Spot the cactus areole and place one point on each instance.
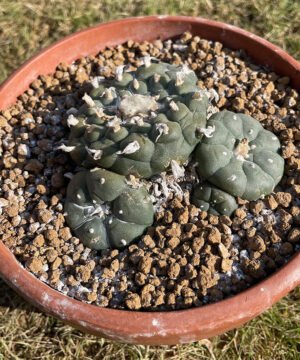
(139, 121)
(239, 156)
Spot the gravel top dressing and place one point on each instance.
(188, 257)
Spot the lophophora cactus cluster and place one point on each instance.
(136, 125)
(139, 121)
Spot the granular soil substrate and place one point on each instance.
(188, 257)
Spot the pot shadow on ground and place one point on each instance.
(9, 299)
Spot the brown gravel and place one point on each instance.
(187, 258)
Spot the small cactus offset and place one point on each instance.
(104, 211)
(139, 121)
(239, 156)
(215, 201)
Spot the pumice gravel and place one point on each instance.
(188, 256)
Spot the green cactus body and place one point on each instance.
(104, 211)
(239, 156)
(211, 199)
(139, 121)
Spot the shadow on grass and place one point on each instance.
(9, 299)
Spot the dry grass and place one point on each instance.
(26, 333)
(27, 26)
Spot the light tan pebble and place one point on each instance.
(65, 233)
(35, 265)
(108, 273)
(83, 273)
(283, 198)
(173, 271)
(39, 241)
(190, 271)
(173, 242)
(171, 299)
(51, 255)
(133, 301)
(158, 299)
(145, 264)
(54, 200)
(44, 216)
(55, 277)
(12, 211)
(41, 189)
(55, 242)
(256, 207)
(23, 150)
(51, 234)
(285, 216)
(3, 122)
(175, 230)
(226, 265)
(213, 219)
(148, 241)
(225, 220)
(67, 260)
(91, 296)
(270, 87)
(271, 202)
(3, 202)
(90, 265)
(257, 243)
(198, 243)
(223, 252)
(56, 263)
(183, 216)
(241, 213)
(214, 236)
(288, 150)
(71, 281)
(168, 217)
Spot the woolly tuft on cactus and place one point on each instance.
(239, 156)
(139, 121)
(104, 211)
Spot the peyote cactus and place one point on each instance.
(105, 211)
(139, 121)
(239, 156)
(211, 199)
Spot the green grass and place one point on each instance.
(25, 333)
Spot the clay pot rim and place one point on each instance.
(168, 327)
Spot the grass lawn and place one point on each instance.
(27, 26)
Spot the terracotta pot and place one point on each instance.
(154, 328)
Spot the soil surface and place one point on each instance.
(188, 257)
